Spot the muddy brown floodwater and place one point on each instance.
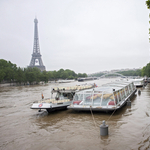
(22, 128)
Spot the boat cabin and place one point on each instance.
(107, 97)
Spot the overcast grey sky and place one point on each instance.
(86, 36)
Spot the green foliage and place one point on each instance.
(96, 74)
(64, 74)
(143, 71)
(148, 4)
(10, 72)
(44, 76)
(146, 70)
(19, 75)
(131, 72)
(2, 75)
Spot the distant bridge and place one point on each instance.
(113, 73)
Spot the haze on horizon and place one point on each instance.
(85, 36)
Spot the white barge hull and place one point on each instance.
(108, 97)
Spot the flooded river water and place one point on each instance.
(22, 128)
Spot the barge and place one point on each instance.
(108, 97)
(138, 82)
(61, 98)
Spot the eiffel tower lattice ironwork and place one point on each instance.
(36, 60)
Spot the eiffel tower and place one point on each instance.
(36, 60)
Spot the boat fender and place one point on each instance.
(128, 102)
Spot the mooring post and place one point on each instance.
(139, 92)
(128, 102)
(103, 129)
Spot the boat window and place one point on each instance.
(64, 95)
(123, 94)
(106, 99)
(98, 92)
(97, 99)
(59, 96)
(116, 98)
(70, 95)
(129, 89)
(126, 90)
(133, 86)
(87, 99)
(119, 95)
(78, 97)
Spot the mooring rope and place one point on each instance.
(93, 117)
(145, 128)
(111, 115)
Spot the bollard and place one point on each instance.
(139, 92)
(128, 102)
(103, 129)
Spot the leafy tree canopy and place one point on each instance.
(148, 4)
(10, 72)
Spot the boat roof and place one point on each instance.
(141, 79)
(72, 88)
(109, 87)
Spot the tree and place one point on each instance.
(146, 70)
(143, 71)
(37, 73)
(10, 72)
(55, 74)
(50, 75)
(148, 4)
(19, 75)
(44, 76)
(80, 75)
(8, 69)
(2, 75)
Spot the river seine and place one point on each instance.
(22, 128)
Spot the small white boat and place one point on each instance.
(86, 79)
(108, 97)
(61, 97)
(138, 82)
